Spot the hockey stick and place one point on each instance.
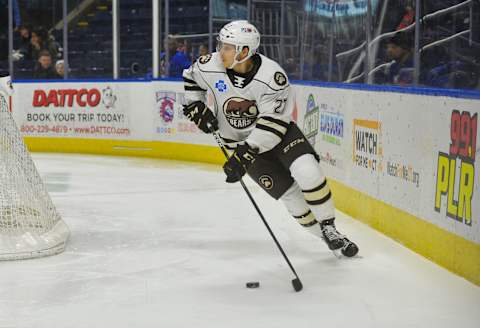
(296, 283)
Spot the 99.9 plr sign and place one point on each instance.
(459, 161)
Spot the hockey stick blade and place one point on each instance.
(297, 285)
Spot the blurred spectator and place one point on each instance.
(60, 68)
(202, 50)
(408, 16)
(36, 45)
(44, 68)
(197, 52)
(454, 74)
(399, 51)
(24, 40)
(39, 41)
(177, 57)
(181, 45)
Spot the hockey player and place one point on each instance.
(253, 108)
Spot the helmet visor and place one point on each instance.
(222, 46)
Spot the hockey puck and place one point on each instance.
(253, 284)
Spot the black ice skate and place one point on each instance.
(335, 240)
(349, 249)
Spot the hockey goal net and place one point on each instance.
(30, 226)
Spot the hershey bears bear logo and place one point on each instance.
(205, 59)
(240, 113)
(280, 79)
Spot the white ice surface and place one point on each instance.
(169, 244)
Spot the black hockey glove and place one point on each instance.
(201, 115)
(237, 165)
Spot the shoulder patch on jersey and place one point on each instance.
(205, 59)
(280, 78)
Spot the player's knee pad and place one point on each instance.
(307, 171)
(309, 176)
(270, 174)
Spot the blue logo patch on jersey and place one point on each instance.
(221, 86)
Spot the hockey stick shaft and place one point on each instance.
(297, 285)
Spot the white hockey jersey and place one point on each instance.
(255, 107)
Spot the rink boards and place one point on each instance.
(405, 163)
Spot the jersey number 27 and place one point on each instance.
(280, 105)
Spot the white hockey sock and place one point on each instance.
(296, 205)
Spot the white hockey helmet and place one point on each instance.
(239, 33)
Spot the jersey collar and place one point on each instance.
(240, 80)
